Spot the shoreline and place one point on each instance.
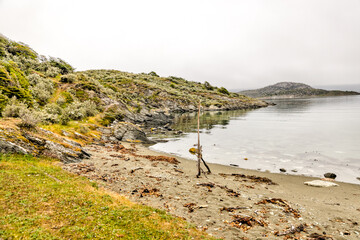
(254, 171)
(227, 203)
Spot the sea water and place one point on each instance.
(309, 136)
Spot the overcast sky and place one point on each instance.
(238, 44)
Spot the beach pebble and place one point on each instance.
(282, 170)
(358, 178)
(320, 183)
(330, 175)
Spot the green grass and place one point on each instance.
(39, 200)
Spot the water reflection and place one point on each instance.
(300, 105)
(311, 136)
(187, 122)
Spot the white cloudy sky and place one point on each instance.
(232, 43)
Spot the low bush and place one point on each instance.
(29, 119)
(223, 90)
(152, 73)
(208, 86)
(42, 88)
(78, 111)
(14, 108)
(68, 78)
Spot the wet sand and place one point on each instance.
(222, 204)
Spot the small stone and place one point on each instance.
(294, 170)
(282, 170)
(358, 178)
(330, 175)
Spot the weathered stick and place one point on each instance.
(198, 145)
(199, 148)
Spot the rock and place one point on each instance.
(66, 155)
(9, 147)
(294, 170)
(330, 175)
(34, 140)
(282, 170)
(320, 183)
(358, 178)
(13, 140)
(129, 132)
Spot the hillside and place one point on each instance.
(293, 90)
(54, 92)
(48, 108)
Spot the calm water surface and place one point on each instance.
(305, 136)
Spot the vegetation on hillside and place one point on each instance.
(51, 91)
(39, 200)
(291, 89)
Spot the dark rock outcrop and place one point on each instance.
(129, 132)
(40, 143)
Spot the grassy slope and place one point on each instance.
(38, 200)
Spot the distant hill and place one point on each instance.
(293, 90)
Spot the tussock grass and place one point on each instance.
(39, 200)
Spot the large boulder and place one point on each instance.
(129, 132)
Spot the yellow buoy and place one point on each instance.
(193, 150)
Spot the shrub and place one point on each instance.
(63, 66)
(52, 71)
(223, 90)
(64, 119)
(14, 108)
(29, 119)
(208, 86)
(68, 78)
(152, 73)
(42, 90)
(79, 110)
(53, 108)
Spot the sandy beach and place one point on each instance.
(229, 203)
